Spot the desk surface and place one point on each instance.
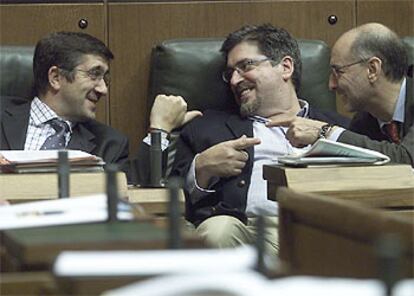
(377, 186)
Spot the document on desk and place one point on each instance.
(154, 262)
(21, 161)
(248, 283)
(326, 152)
(74, 210)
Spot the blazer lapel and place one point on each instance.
(82, 139)
(15, 122)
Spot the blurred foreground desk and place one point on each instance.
(36, 248)
(326, 236)
(390, 186)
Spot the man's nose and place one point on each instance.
(102, 87)
(236, 78)
(333, 82)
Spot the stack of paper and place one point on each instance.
(20, 161)
(324, 152)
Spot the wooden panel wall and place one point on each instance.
(396, 14)
(25, 24)
(132, 28)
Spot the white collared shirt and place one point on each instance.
(273, 144)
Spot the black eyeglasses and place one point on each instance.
(95, 74)
(242, 67)
(337, 71)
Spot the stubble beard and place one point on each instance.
(250, 107)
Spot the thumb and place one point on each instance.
(190, 115)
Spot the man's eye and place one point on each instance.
(246, 65)
(95, 73)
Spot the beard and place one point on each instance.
(250, 107)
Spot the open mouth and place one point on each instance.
(93, 97)
(243, 91)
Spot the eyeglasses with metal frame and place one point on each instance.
(95, 74)
(337, 71)
(242, 67)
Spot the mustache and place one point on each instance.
(243, 86)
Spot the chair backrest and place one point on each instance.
(409, 44)
(192, 68)
(16, 74)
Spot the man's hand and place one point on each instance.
(170, 112)
(223, 160)
(301, 131)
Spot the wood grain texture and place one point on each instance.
(396, 14)
(25, 24)
(134, 28)
(369, 185)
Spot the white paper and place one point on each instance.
(249, 283)
(156, 262)
(72, 210)
(329, 152)
(22, 156)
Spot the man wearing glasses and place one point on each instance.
(371, 74)
(71, 75)
(221, 154)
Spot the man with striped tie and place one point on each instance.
(71, 75)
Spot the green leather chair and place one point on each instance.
(192, 69)
(409, 43)
(16, 74)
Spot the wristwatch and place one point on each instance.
(324, 131)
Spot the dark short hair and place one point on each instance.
(64, 50)
(273, 42)
(388, 47)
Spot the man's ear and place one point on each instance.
(55, 79)
(288, 67)
(374, 69)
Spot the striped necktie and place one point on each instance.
(392, 131)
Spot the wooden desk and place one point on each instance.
(153, 200)
(326, 236)
(29, 187)
(36, 248)
(28, 283)
(390, 186)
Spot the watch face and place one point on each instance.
(325, 130)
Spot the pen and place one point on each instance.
(39, 213)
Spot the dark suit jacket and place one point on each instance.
(90, 136)
(365, 132)
(231, 193)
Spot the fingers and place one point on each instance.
(243, 142)
(190, 115)
(281, 120)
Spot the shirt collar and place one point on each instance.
(303, 112)
(399, 107)
(40, 113)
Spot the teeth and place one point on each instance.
(244, 92)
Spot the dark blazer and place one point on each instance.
(365, 132)
(90, 136)
(231, 193)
